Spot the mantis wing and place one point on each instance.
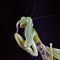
(56, 52)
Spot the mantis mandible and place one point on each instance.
(32, 43)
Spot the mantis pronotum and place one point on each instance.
(32, 43)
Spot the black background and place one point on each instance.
(48, 28)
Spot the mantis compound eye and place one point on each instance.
(22, 25)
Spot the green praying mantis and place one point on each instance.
(32, 43)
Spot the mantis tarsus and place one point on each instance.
(32, 43)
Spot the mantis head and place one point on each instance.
(22, 23)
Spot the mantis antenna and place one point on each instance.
(45, 16)
(34, 8)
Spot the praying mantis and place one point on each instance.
(32, 43)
